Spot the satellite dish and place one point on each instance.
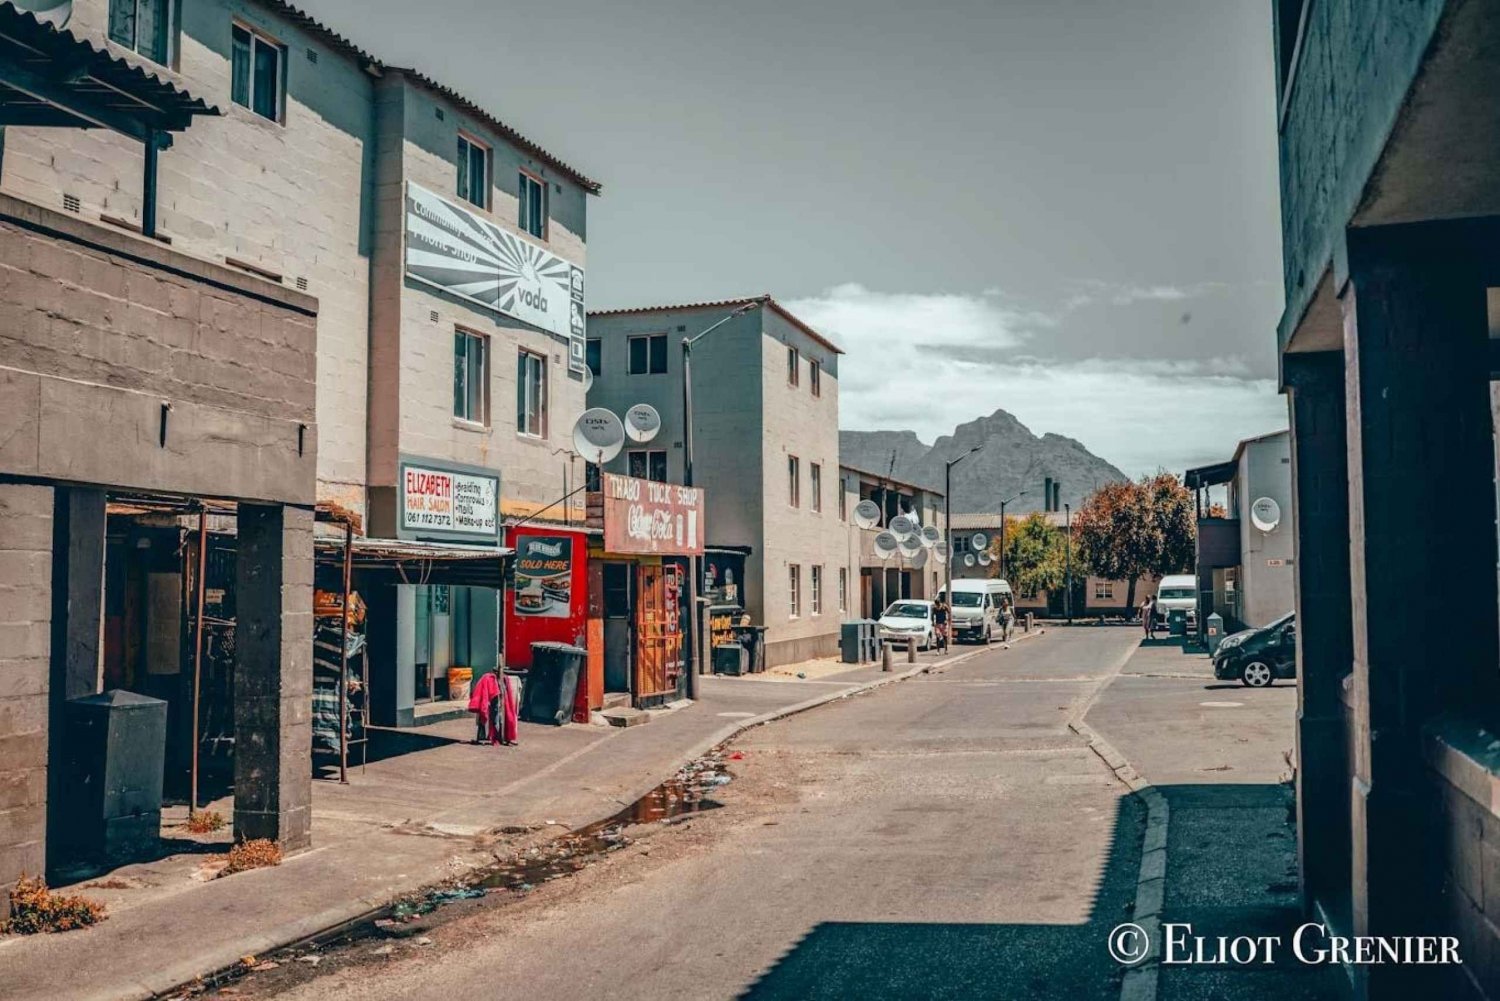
(940, 549)
(598, 435)
(911, 545)
(916, 519)
(642, 422)
(588, 379)
(867, 514)
(902, 526)
(968, 559)
(1265, 514)
(920, 560)
(984, 558)
(979, 541)
(885, 545)
(931, 536)
(53, 12)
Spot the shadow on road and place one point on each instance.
(1231, 870)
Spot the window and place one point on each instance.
(795, 578)
(843, 501)
(817, 590)
(815, 475)
(470, 382)
(593, 355)
(531, 394)
(647, 355)
(1104, 589)
(648, 464)
(533, 198)
(792, 368)
(843, 589)
(591, 478)
(960, 544)
(473, 172)
(148, 27)
(258, 65)
(794, 487)
(815, 377)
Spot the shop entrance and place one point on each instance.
(618, 626)
(434, 641)
(658, 627)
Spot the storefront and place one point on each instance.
(546, 599)
(638, 584)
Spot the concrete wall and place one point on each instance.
(98, 328)
(1266, 592)
(291, 198)
(1358, 60)
(25, 619)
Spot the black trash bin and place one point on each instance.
(552, 683)
(852, 642)
(116, 744)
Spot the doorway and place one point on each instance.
(619, 628)
(434, 641)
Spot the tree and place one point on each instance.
(1125, 531)
(1035, 557)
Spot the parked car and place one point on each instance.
(1257, 657)
(908, 619)
(977, 608)
(1178, 592)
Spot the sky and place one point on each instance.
(1065, 209)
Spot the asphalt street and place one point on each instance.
(947, 837)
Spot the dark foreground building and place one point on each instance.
(1390, 181)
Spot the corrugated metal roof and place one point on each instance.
(770, 301)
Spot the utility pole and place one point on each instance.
(948, 530)
(695, 654)
(1068, 550)
(1002, 532)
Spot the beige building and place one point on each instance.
(882, 581)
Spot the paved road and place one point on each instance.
(947, 837)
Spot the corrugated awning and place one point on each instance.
(395, 561)
(1207, 476)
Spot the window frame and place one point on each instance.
(794, 481)
(815, 485)
(523, 386)
(843, 589)
(815, 589)
(815, 377)
(843, 499)
(593, 355)
(173, 10)
(259, 37)
(1104, 590)
(524, 178)
(483, 340)
(649, 359)
(794, 579)
(649, 453)
(486, 184)
(793, 366)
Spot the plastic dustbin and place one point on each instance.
(116, 746)
(552, 683)
(851, 643)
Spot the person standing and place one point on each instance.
(1148, 616)
(940, 620)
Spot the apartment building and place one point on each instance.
(765, 443)
(882, 581)
(446, 252)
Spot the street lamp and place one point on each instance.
(1002, 530)
(948, 528)
(695, 655)
(1068, 550)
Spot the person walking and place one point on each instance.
(1148, 616)
(940, 620)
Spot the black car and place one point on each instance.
(1257, 657)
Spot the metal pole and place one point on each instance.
(1002, 539)
(948, 528)
(148, 187)
(344, 658)
(1068, 549)
(694, 655)
(198, 650)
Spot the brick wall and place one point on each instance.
(25, 618)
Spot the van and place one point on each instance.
(976, 610)
(1178, 592)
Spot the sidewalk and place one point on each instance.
(428, 806)
(1212, 757)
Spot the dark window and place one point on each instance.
(648, 464)
(148, 27)
(815, 377)
(531, 394)
(591, 479)
(256, 73)
(470, 397)
(473, 172)
(592, 354)
(533, 198)
(815, 472)
(792, 366)
(794, 484)
(1288, 27)
(648, 355)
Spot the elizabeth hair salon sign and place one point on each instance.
(468, 256)
(642, 516)
(449, 504)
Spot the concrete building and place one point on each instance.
(1389, 148)
(1245, 557)
(133, 374)
(882, 581)
(765, 441)
(446, 252)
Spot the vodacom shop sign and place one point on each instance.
(454, 504)
(642, 516)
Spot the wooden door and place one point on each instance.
(658, 635)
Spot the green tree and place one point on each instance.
(1129, 530)
(1035, 558)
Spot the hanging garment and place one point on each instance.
(510, 709)
(482, 698)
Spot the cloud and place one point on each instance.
(1093, 291)
(929, 362)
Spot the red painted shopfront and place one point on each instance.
(546, 600)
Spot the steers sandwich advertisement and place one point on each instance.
(643, 516)
(544, 576)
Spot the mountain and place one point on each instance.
(1012, 460)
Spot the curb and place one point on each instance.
(336, 919)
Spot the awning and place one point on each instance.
(395, 561)
(1208, 476)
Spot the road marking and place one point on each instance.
(1222, 705)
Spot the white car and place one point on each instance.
(908, 619)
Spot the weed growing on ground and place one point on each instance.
(35, 909)
(205, 822)
(257, 853)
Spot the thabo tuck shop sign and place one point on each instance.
(449, 503)
(642, 516)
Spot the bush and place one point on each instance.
(34, 909)
(257, 853)
(205, 822)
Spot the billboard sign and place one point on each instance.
(468, 256)
(441, 503)
(544, 576)
(643, 516)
